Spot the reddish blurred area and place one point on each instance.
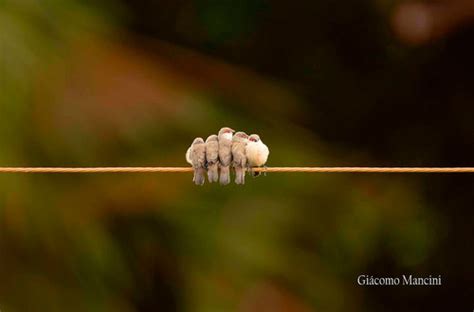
(422, 22)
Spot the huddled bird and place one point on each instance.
(225, 150)
(225, 154)
(257, 152)
(196, 156)
(212, 158)
(239, 159)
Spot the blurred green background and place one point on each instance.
(324, 83)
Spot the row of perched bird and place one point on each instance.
(219, 152)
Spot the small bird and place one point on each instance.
(196, 156)
(239, 161)
(212, 157)
(225, 154)
(257, 153)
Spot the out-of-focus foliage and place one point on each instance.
(34, 34)
(77, 90)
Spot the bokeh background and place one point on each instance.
(325, 83)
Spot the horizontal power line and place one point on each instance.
(269, 169)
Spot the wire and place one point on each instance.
(270, 169)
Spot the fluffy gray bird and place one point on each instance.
(225, 154)
(212, 157)
(196, 155)
(257, 153)
(239, 159)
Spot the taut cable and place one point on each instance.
(270, 169)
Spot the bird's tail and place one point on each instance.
(213, 173)
(225, 175)
(199, 176)
(239, 175)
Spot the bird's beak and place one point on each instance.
(233, 131)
